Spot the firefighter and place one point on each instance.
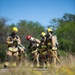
(13, 41)
(51, 43)
(43, 51)
(33, 46)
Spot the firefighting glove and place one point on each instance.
(54, 48)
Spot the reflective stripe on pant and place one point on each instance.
(14, 64)
(6, 64)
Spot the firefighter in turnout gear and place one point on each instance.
(43, 51)
(13, 41)
(51, 43)
(33, 46)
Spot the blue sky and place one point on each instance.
(35, 10)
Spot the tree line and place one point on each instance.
(63, 28)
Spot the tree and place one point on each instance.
(3, 34)
(29, 28)
(65, 32)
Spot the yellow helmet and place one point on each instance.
(49, 30)
(43, 34)
(14, 29)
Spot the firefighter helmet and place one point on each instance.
(28, 37)
(49, 30)
(14, 29)
(43, 34)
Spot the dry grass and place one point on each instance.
(66, 67)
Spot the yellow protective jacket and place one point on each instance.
(13, 42)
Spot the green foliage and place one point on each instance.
(64, 28)
(2, 52)
(66, 33)
(62, 53)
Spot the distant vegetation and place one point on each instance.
(65, 31)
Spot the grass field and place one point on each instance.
(66, 67)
